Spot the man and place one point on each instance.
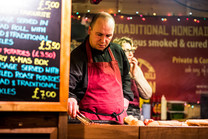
(139, 86)
(99, 74)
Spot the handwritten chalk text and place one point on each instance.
(36, 84)
(31, 68)
(23, 60)
(43, 94)
(9, 66)
(7, 91)
(19, 52)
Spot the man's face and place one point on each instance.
(101, 33)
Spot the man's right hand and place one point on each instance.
(72, 107)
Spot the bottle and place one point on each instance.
(158, 105)
(146, 110)
(163, 108)
(153, 107)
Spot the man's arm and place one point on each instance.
(76, 77)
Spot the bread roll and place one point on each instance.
(131, 120)
(128, 119)
(136, 122)
(197, 122)
(154, 123)
(184, 124)
(140, 123)
(170, 123)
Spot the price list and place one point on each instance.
(30, 50)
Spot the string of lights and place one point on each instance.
(86, 17)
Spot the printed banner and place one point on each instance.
(172, 52)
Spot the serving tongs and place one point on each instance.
(83, 119)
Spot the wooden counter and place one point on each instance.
(190, 132)
(79, 131)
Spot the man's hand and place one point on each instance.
(72, 107)
(126, 104)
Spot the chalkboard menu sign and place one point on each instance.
(32, 48)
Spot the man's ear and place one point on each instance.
(89, 30)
